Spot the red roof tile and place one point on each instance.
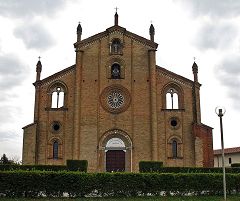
(227, 151)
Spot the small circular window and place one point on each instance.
(174, 123)
(56, 127)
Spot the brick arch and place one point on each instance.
(115, 133)
(50, 147)
(178, 89)
(178, 139)
(117, 41)
(108, 135)
(117, 60)
(52, 88)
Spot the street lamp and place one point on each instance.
(220, 111)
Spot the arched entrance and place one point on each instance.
(115, 155)
(115, 152)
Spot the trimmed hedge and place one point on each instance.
(235, 165)
(77, 165)
(232, 170)
(77, 184)
(150, 166)
(34, 167)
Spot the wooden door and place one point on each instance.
(115, 161)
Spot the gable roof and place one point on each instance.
(174, 76)
(56, 76)
(227, 151)
(112, 29)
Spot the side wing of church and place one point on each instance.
(115, 107)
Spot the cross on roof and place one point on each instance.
(116, 9)
(39, 58)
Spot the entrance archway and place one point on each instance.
(115, 155)
(115, 152)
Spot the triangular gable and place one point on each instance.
(56, 76)
(112, 29)
(171, 75)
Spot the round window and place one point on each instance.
(174, 122)
(56, 126)
(115, 99)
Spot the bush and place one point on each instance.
(77, 165)
(34, 167)
(150, 166)
(235, 165)
(196, 170)
(78, 184)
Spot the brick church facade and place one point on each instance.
(115, 107)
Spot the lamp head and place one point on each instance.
(220, 111)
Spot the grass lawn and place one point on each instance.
(197, 198)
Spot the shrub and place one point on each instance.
(235, 165)
(150, 166)
(78, 184)
(33, 167)
(77, 165)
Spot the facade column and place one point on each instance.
(196, 95)
(37, 85)
(77, 106)
(153, 99)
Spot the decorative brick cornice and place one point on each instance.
(175, 77)
(115, 29)
(55, 76)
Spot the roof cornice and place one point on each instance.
(112, 29)
(180, 78)
(55, 76)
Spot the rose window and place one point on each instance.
(115, 99)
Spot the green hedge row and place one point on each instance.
(77, 165)
(194, 170)
(235, 165)
(72, 165)
(150, 166)
(77, 184)
(34, 167)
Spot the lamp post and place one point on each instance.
(220, 111)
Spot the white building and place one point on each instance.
(232, 155)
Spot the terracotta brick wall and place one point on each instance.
(205, 134)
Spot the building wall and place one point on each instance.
(29, 144)
(229, 159)
(86, 124)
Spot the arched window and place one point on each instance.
(57, 97)
(116, 46)
(174, 149)
(115, 71)
(172, 99)
(55, 150)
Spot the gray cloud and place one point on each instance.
(12, 72)
(7, 113)
(34, 36)
(228, 73)
(29, 8)
(214, 35)
(214, 8)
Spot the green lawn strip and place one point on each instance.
(183, 198)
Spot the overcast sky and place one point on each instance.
(206, 29)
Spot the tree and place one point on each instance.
(4, 160)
